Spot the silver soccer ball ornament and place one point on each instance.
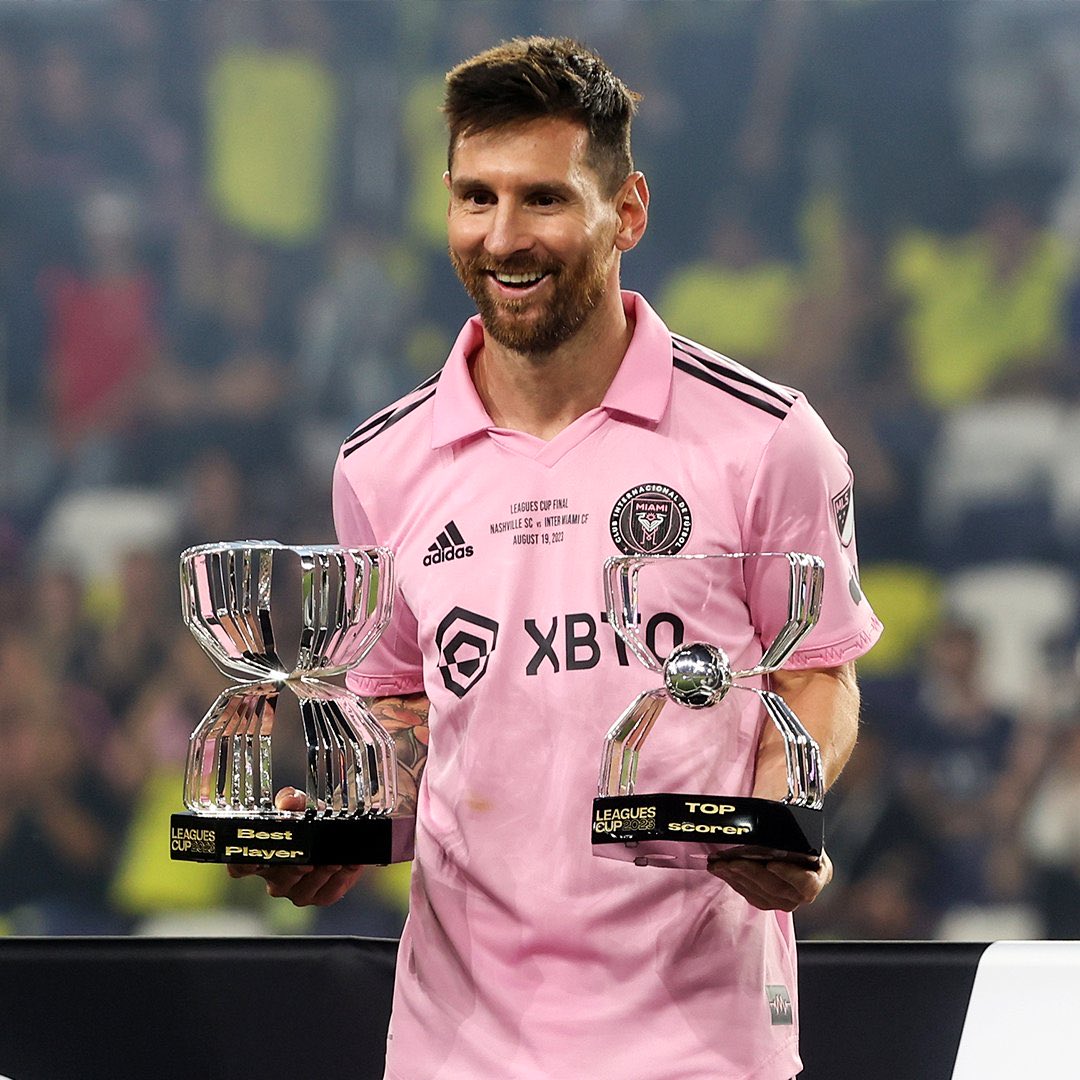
(697, 674)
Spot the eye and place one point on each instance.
(545, 200)
(479, 197)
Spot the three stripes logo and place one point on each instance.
(449, 544)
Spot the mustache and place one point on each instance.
(510, 266)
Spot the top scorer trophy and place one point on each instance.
(688, 829)
(341, 601)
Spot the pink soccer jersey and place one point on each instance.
(524, 956)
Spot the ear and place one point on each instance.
(632, 206)
(446, 179)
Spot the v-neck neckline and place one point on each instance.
(549, 452)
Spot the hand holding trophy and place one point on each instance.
(687, 830)
(349, 792)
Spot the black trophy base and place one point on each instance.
(308, 841)
(687, 831)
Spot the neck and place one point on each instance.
(543, 393)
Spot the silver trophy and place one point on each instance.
(341, 600)
(686, 830)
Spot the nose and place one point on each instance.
(507, 232)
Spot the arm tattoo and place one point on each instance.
(406, 719)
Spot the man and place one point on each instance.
(502, 484)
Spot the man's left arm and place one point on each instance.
(826, 700)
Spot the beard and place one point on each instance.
(531, 326)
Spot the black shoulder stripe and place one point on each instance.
(389, 422)
(380, 418)
(692, 351)
(705, 377)
(375, 421)
(431, 380)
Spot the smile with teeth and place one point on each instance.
(519, 280)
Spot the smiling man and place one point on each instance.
(537, 296)
(536, 229)
(568, 425)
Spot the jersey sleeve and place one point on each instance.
(802, 500)
(395, 663)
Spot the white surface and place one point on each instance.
(93, 529)
(1022, 1019)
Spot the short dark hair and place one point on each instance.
(529, 78)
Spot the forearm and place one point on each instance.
(826, 700)
(406, 718)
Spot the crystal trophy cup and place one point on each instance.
(686, 829)
(339, 601)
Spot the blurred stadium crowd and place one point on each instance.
(221, 247)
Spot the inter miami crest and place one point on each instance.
(650, 519)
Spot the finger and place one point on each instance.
(826, 868)
(291, 798)
(305, 888)
(282, 880)
(802, 880)
(806, 881)
(242, 870)
(281, 875)
(337, 886)
(767, 885)
(817, 873)
(761, 899)
(768, 889)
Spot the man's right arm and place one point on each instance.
(405, 718)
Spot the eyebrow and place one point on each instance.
(538, 187)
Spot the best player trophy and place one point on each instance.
(687, 829)
(348, 763)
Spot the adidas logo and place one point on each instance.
(449, 544)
